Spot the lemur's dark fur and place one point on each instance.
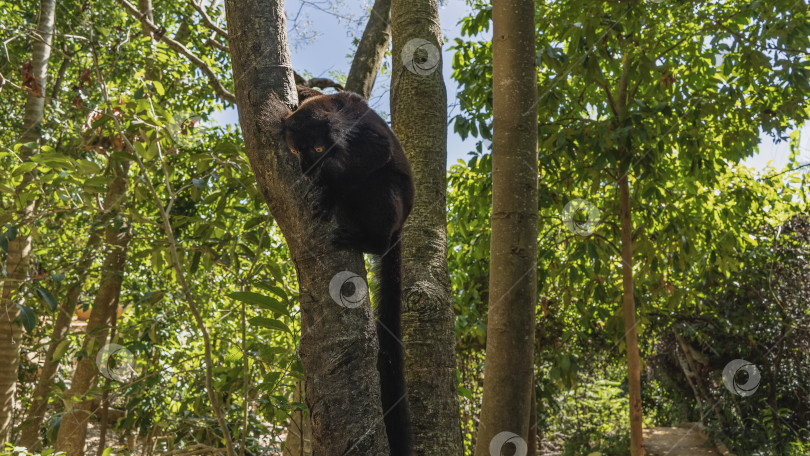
(349, 150)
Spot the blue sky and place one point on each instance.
(322, 42)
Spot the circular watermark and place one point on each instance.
(115, 362)
(348, 289)
(732, 373)
(420, 56)
(187, 129)
(581, 217)
(497, 443)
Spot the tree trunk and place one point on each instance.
(508, 373)
(628, 301)
(338, 344)
(419, 118)
(299, 431)
(39, 401)
(19, 249)
(73, 430)
(371, 50)
(629, 307)
(11, 330)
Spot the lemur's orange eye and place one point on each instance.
(295, 151)
(319, 149)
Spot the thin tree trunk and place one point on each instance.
(299, 432)
(11, 330)
(419, 118)
(371, 50)
(19, 249)
(508, 373)
(104, 404)
(73, 429)
(628, 301)
(629, 307)
(39, 401)
(338, 344)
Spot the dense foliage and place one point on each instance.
(703, 80)
(720, 249)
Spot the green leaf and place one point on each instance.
(87, 167)
(275, 269)
(29, 320)
(60, 350)
(151, 151)
(265, 302)
(268, 286)
(269, 323)
(54, 160)
(23, 168)
(46, 297)
(253, 222)
(139, 148)
(159, 87)
(101, 182)
(156, 296)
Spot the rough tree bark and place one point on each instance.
(419, 118)
(508, 373)
(39, 401)
(73, 430)
(338, 344)
(19, 249)
(371, 50)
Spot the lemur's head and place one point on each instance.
(316, 132)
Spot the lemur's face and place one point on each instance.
(308, 136)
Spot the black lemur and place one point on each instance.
(349, 150)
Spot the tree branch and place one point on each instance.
(211, 41)
(320, 83)
(676, 44)
(370, 50)
(207, 19)
(609, 97)
(622, 93)
(216, 84)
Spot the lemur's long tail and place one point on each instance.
(390, 362)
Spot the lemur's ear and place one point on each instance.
(273, 113)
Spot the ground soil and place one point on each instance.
(677, 441)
